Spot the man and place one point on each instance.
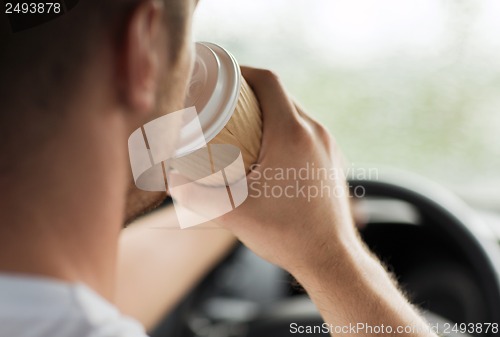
(73, 90)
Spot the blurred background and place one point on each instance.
(412, 84)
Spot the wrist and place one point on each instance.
(354, 281)
(336, 261)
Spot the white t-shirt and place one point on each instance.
(42, 307)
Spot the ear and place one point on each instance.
(143, 52)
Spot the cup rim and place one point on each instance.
(223, 77)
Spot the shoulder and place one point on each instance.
(100, 318)
(41, 307)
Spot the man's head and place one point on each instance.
(85, 80)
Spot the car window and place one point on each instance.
(411, 84)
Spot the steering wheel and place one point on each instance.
(445, 259)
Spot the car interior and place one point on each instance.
(444, 255)
(407, 88)
(396, 93)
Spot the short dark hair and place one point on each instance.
(40, 67)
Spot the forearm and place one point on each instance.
(158, 265)
(351, 288)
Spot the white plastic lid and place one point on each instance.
(214, 90)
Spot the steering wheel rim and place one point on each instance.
(454, 217)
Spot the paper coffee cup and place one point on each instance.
(228, 112)
(244, 129)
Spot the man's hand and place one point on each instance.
(296, 229)
(310, 234)
(314, 238)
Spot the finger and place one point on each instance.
(302, 113)
(277, 108)
(282, 124)
(325, 136)
(319, 129)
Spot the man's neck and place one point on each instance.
(61, 214)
